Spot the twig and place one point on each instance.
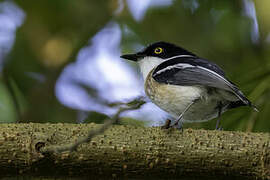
(134, 104)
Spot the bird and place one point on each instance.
(188, 87)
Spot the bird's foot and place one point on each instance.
(219, 128)
(178, 125)
(167, 124)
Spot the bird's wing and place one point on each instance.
(194, 71)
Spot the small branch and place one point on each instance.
(132, 105)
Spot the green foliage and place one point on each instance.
(7, 108)
(55, 31)
(133, 122)
(95, 117)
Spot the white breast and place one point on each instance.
(174, 99)
(147, 64)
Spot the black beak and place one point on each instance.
(132, 57)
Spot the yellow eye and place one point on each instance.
(158, 50)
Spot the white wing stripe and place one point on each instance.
(226, 82)
(213, 72)
(179, 65)
(178, 57)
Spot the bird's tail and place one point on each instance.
(254, 107)
(241, 103)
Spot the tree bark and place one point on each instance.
(133, 152)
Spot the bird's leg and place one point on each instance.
(167, 124)
(179, 120)
(218, 120)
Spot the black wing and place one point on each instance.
(188, 71)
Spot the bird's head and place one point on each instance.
(154, 54)
(162, 50)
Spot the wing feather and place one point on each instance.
(193, 73)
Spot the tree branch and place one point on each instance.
(134, 104)
(133, 152)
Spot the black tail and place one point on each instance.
(240, 103)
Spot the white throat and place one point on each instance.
(147, 64)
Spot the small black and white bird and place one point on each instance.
(188, 87)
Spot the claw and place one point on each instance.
(179, 125)
(167, 124)
(219, 128)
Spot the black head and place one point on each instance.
(161, 49)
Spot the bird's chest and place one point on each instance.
(171, 98)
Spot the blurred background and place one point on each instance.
(59, 60)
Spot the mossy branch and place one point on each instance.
(128, 151)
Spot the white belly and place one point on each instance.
(174, 100)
